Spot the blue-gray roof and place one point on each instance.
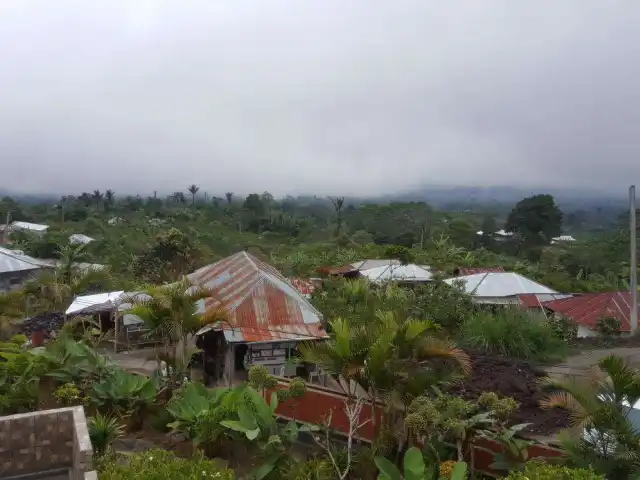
(16, 261)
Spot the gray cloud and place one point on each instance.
(354, 97)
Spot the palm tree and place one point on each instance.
(109, 197)
(85, 198)
(178, 197)
(388, 357)
(193, 189)
(229, 196)
(172, 312)
(69, 255)
(338, 203)
(97, 197)
(599, 405)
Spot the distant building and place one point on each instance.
(586, 309)
(503, 288)
(563, 239)
(30, 227)
(16, 268)
(79, 238)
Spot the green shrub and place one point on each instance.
(514, 333)
(164, 465)
(68, 395)
(545, 471)
(608, 326)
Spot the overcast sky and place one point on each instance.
(321, 96)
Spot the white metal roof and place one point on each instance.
(499, 284)
(504, 233)
(29, 226)
(398, 273)
(564, 238)
(80, 238)
(100, 302)
(16, 261)
(367, 264)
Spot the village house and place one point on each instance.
(268, 318)
(505, 288)
(35, 228)
(584, 310)
(385, 270)
(16, 268)
(80, 239)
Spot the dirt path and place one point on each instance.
(581, 362)
(135, 361)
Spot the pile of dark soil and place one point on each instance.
(517, 379)
(46, 322)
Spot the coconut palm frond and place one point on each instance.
(440, 348)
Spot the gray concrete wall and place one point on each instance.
(45, 440)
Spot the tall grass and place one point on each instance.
(515, 333)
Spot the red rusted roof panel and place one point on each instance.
(587, 308)
(264, 306)
(304, 286)
(472, 271)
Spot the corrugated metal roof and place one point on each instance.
(536, 300)
(302, 285)
(29, 226)
(397, 273)
(16, 261)
(363, 265)
(263, 305)
(472, 271)
(503, 284)
(80, 238)
(586, 309)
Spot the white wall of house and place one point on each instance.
(273, 356)
(584, 332)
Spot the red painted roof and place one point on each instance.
(263, 305)
(587, 308)
(529, 300)
(537, 300)
(472, 271)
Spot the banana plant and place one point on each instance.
(415, 468)
(197, 411)
(257, 422)
(125, 393)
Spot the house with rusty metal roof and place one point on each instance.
(586, 309)
(268, 316)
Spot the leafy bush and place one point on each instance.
(564, 327)
(69, 395)
(19, 382)
(545, 471)
(608, 326)
(514, 333)
(164, 465)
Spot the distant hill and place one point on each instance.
(569, 198)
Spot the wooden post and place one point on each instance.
(115, 327)
(232, 361)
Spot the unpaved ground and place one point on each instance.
(580, 363)
(135, 361)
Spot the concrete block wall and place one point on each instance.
(45, 440)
